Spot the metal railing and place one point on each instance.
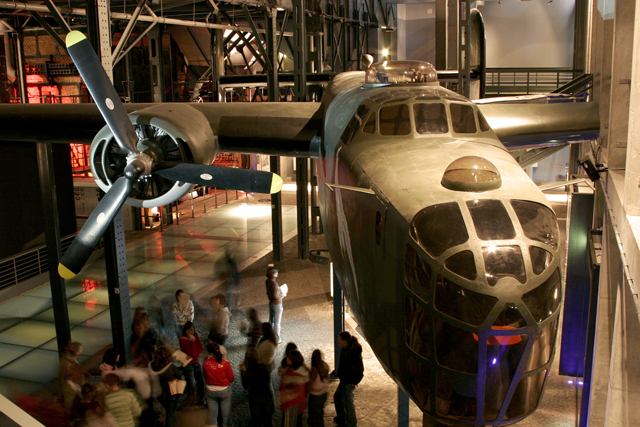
(525, 81)
(28, 264)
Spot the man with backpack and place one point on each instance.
(350, 373)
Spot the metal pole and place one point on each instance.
(338, 315)
(302, 206)
(20, 70)
(52, 236)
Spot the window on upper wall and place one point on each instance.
(394, 120)
(462, 118)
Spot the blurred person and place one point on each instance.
(285, 363)
(293, 390)
(275, 295)
(162, 365)
(110, 362)
(215, 337)
(72, 386)
(157, 315)
(350, 372)
(69, 362)
(267, 347)
(90, 409)
(123, 403)
(219, 376)
(253, 329)
(182, 314)
(143, 339)
(318, 389)
(191, 345)
(257, 381)
(233, 294)
(221, 317)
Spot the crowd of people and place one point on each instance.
(125, 394)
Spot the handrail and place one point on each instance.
(526, 81)
(17, 414)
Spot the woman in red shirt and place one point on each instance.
(218, 376)
(191, 345)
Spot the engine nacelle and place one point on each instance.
(167, 133)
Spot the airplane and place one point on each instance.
(447, 252)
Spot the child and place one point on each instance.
(123, 403)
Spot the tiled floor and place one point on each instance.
(185, 256)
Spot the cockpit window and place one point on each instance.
(354, 124)
(394, 120)
(538, 222)
(462, 304)
(484, 126)
(370, 125)
(540, 259)
(491, 220)
(417, 274)
(430, 118)
(439, 227)
(462, 118)
(463, 264)
(544, 300)
(503, 261)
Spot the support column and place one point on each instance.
(217, 60)
(115, 253)
(274, 96)
(302, 206)
(620, 83)
(403, 408)
(316, 224)
(631, 200)
(338, 314)
(52, 236)
(442, 43)
(464, 66)
(155, 63)
(22, 79)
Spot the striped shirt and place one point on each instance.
(124, 406)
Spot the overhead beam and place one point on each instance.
(57, 15)
(127, 31)
(44, 24)
(534, 156)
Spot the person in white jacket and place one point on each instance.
(221, 317)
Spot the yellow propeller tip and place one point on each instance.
(74, 37)
(276, 183)
(64, 272)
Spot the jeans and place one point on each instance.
(316, 410)
(275, 318)
(222, 398)
(170, 405)
(262, 409)
(191, 371)
(345, 409)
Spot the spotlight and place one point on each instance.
(385, 52)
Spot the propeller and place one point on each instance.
(139, 164)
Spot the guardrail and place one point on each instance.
(525, 81)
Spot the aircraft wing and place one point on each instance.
(273, 128)
(522, 126)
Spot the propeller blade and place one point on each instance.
(102, 91)
(81, 247)
(234, 179)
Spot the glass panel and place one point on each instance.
(455, 349)
(363, 110)
(540, 259)
(503, 356)
(417, 274)
(544, 300)
(471, 173)
(420, 373)
(350, 130)
(463, 264)
(430, 118)
(511, 317)
(394, 120)
(462, 118)
(456, 397)
(491, 220)
(462, 304)
(417, 328)
(503, 261)
(542, 347)
(370, 126)
(538, 222)
(439, 227)
(526, 397)
(400, 72)
(484, 126)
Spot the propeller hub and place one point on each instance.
(138, 164)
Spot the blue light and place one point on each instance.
(570, 382)
(580, 383)
(495, 361)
